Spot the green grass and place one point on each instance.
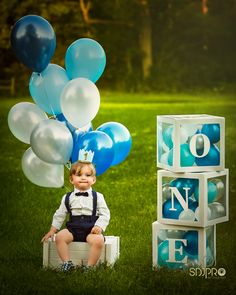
(130, 191)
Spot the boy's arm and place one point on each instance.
(58, 219)
(103, 213)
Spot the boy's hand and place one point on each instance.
(96, 230)
(47, 236)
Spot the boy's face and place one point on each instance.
(84, 179)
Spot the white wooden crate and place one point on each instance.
(79, 252)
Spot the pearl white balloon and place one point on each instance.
(187, 215)
(164, 158)
(208, 213)
(220, 186)
(22, 119)
(40, 172)
(166, 192)
(80, 101)
(52, 142)
(162, 234)
(183, 135)
(191, 129)
(175, 234)
(217, 210)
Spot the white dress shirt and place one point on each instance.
(81, 205)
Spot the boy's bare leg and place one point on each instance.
(63, 238)
(96, 242)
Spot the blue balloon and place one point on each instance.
(163, 255)
(33, 41)
(77, 134)
(186, 157)
(101, 144)
(171, 214)
(192, 242)
(85, 58)
(167, 136)
(46, 88)
(61, 118)
(211, 192)
(212, 131)
(121, 139)
(211, 159)
(181, 183)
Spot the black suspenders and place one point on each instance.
(67, 203)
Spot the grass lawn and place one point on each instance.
(130, 192)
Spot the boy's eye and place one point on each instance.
(88, 175)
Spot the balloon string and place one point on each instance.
(45, 92)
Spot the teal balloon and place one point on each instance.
(186, 157)
(211, 159)
(46, 88)
(167, 136)
(212, 131)
(211, 192)
(163, 255)
(85, 58)
(121, 139)
(170, 158)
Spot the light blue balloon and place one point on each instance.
(167, 136)
(85, 58)
(46, 88)
(186, 157)
(102, 146)
(211, 192)
(121, 139)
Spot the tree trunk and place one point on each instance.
(145, 38)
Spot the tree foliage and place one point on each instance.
(150, 44)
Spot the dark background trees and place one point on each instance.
(163, 45)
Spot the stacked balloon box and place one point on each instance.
(79, 252)
(192, 191)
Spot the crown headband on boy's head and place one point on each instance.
(85, 156)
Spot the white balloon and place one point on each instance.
(52, 142)
(80, 101)
(217, 210)
(187, 215)
(164, 158)
(208, 213)
(22, 119)
(183, 135)
(40, 172)
(175, 234)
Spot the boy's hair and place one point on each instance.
(77, 167)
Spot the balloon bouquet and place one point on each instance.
(70, 98)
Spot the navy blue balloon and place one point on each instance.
(101, 144)
(33, 41)
(193, 205)
(212, 131)
(211, 159)
(167, 205)
(192, 242)
(121, 138)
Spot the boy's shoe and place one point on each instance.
(67, 266)
(86, 268)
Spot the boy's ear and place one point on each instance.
(94, 179)
(71, 180)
